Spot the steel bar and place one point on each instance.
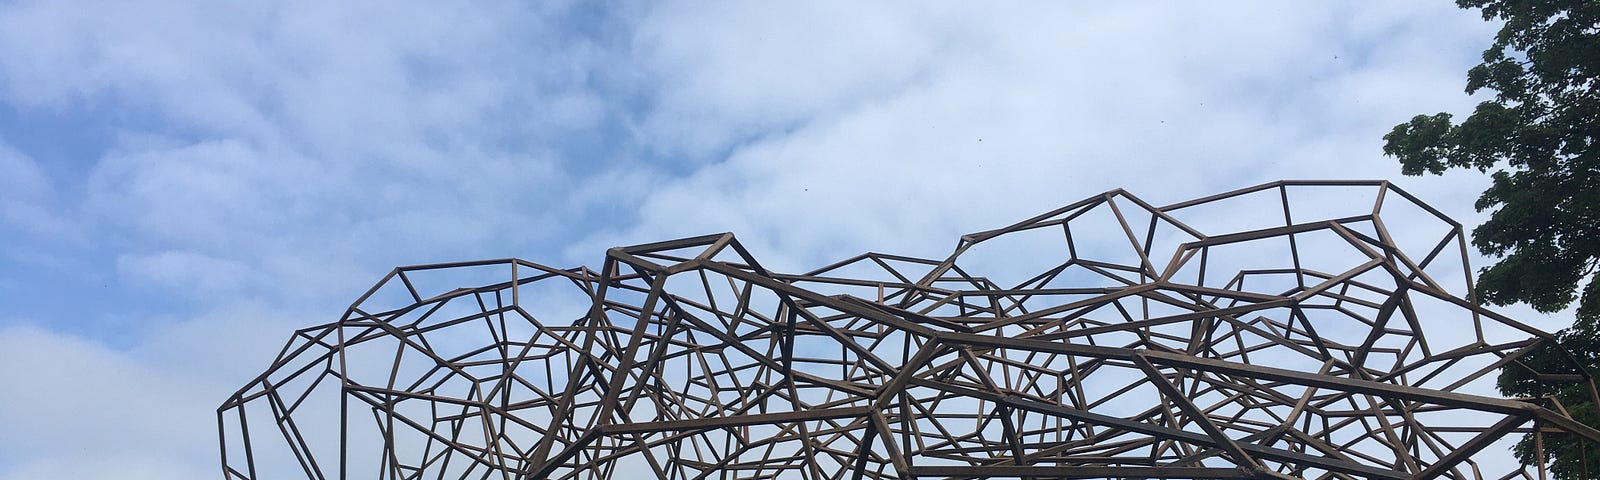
(1246, 334)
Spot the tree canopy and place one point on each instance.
(1538, 135)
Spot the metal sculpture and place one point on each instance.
(1242, 335)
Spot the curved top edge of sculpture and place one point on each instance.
(1293, 329)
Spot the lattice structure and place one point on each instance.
(1294, 329)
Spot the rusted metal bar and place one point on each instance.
(689, 359)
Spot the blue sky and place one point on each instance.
(184, 183)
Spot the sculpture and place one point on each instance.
(1109, 338)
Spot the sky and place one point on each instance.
(183, 184)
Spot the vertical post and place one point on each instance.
(1538, 446)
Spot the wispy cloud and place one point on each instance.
(844, 136)
(265, 162)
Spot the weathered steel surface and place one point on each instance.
(1110, 338)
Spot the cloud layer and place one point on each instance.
(182, 184)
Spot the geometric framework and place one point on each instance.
(1293, 329)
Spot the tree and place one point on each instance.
(1539, 134)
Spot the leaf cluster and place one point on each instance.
(1567, 455)
(1539, 135)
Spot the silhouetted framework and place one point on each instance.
(1293, 329)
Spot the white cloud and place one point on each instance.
(205, 193)
(970, 119)
(25, 197)
(285, 135)
(737, 70)
(291, 152)
(69, 399)
(186, 273)
(74, 408)
(286, 153)
(20, 178)
(121, 465)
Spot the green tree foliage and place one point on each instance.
(1569, 457)
(1539, 136)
